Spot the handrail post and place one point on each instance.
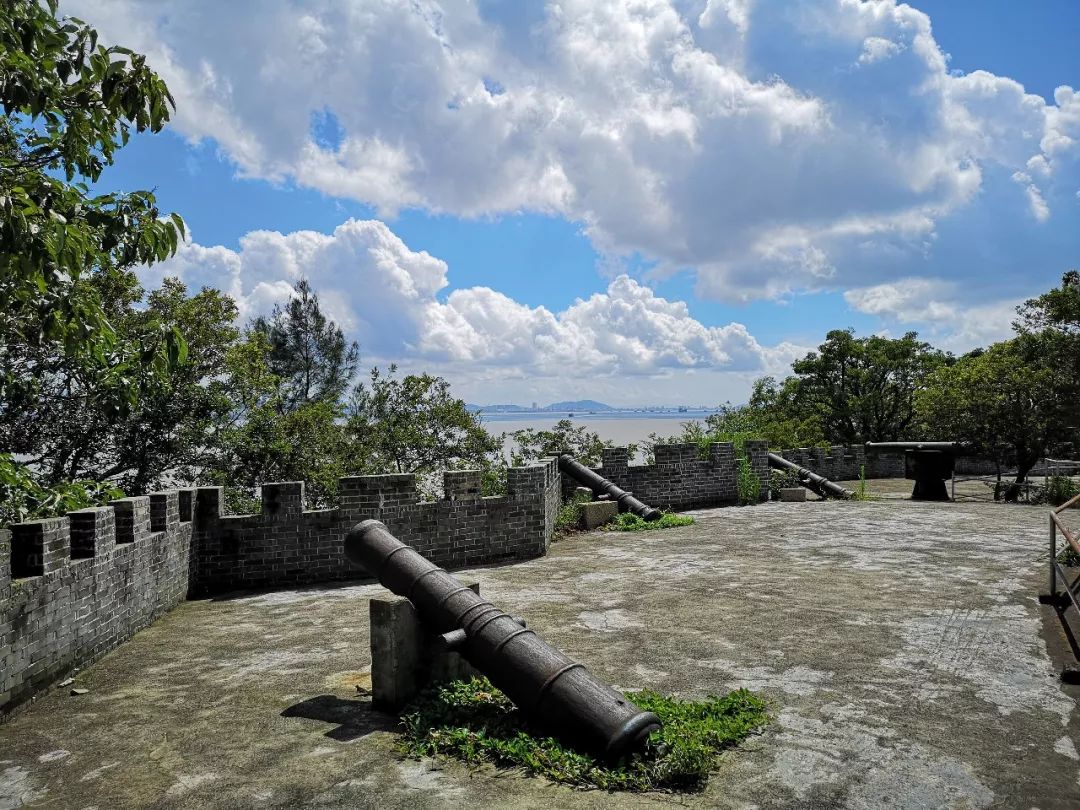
(1053, 556)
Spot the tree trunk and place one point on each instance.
(1024, 463)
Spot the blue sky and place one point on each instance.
(656, 202)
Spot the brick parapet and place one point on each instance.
(845, 462)
(73, 587)
(680, 477)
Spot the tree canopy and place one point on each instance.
(863, 389)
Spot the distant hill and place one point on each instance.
(495, 408)
(575, 405)
(579, 405)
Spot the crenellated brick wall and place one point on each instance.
(679, 478)
(73, 587)
(287, 545)
(843, 462)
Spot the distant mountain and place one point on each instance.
(579, 405)
(495, 408)
(574, 405)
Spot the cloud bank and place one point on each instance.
(388, 297)
(767, 147)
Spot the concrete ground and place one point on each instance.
(900, 645)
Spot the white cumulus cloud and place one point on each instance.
(766, 147)
(387, 296)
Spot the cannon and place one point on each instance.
(601, 486)
(554, 692)
(810, 479)
(928, 464)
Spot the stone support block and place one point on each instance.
(405, 657)
(598, 513)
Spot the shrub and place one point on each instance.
(569, 517)
(1060, 488)
(782, 479)
(629, 522)
(476, 723)
(747, 483)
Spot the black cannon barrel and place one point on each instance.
(895, 447)
(819, 483)
(601, 486)
(552, 690)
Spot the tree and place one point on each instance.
(565, 437)
(413, 424)
(69, 104)
(75, 422)
(863, 389)
(1053, 319)
(1057, 310)
(262, 441)
(308, 353)
(1004, 401)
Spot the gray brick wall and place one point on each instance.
(843, 462)
(285, 545)
(74, 587)
(680, 478)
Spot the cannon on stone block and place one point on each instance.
(928, 464)
(554, 692)
(810, 479)
(602, 486)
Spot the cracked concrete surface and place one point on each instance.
(900, 645)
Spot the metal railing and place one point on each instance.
(1057, 524)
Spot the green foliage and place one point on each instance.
(23, 498)
(69, 103)
(629, 522)
(474, 722)
(413, 424)
(863, 492)
(266, 439)
(1059, 489)
(157, 438)
(1068, 556)
(1006, 401)
(565, 437)
(568, 518)
(307, 353)
(747, 484)
(863, 389)
(782, 479)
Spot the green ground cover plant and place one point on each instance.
(747, 483)
(629, 522)
(474, 722)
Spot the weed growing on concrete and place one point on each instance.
(629, 522)
(475, 722)
(747, 483)
(863, 492)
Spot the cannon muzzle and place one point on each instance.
(554, 692)
(601, 486)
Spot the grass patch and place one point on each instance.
(568, 519)
(629, 522)
(474, 722)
